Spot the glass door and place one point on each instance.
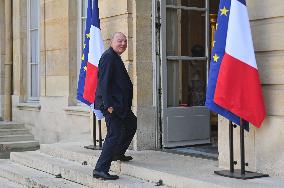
(184, 71)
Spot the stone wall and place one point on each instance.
(20, 49)
(2, 54)
(54, 48)
(55, 118)
(264, 146)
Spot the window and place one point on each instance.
(186, 53)
(82, 12)
(82, 16)
(33, 50)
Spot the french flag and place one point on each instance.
(93, 49)
(234, 85)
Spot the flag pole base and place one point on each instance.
(237, 174)
(92, 147)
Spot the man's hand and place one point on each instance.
(110, 110)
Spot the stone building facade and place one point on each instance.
(40, 51)
(56, 114)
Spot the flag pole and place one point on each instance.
(100, 133)
(94, 130)
(94, 146)
(238, 173)
(231, 146)
(242, 147)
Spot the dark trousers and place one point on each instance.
(120, 132)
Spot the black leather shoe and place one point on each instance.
(104, 175)
(122, 158)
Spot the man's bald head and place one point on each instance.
(116, 34)
(118, 42)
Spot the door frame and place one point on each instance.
(161, 64)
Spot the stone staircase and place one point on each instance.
(14, 137)
(36, 169)
(70, 165)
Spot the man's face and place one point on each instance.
(119, 43)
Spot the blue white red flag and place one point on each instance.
(93, 49)
(234, 89)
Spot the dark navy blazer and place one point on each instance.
(114, 88)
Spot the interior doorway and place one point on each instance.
(187, 28)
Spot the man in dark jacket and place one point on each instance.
(114, 98)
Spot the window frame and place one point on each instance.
(165, 58)
(31, 98)
(80, 39)
(80, 32)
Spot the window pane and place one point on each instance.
(173, 83)
(34, 8)
(83, 30)
(172, 2)
(84, 8)
(186, 82)
(188, 3)
(193, 3)
(34, 49)
(83, 19)
(172, 32)
(185, 33)
(192, 33)
(34, 80)
(214, 7)
(83, 27)
(34, 46)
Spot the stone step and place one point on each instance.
(29, 177)
(4, 183)
(4, 155)
(174, 170)
(14, 138)
(77, 153)
(73, 171)
(11, 125)
(7, 147)
(4, 132)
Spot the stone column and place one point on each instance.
(2, 56)
(145, 137)
(8, 61)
